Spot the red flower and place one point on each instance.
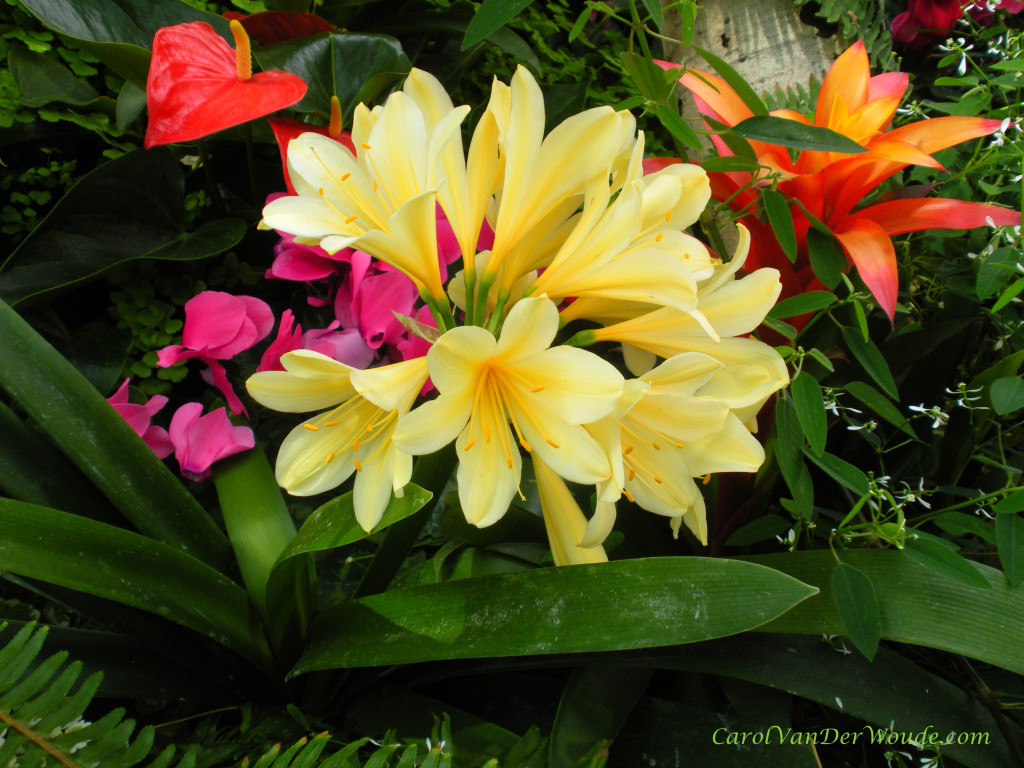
(197, 85)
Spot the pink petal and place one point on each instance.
(380, 296)
(212, 319)
(218, 377)
(289, 337)
(199, 441)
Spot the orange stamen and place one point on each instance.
(243, 51)
(334, 127)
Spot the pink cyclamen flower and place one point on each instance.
(217, 327)
(139, 417)
(199, 440)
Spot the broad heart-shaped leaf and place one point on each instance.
(337, 64)
(42, 80)
(791, 133)
(116, 564)
(119, 32)
(857, 606)
(491, 16)
(916, 604)
(610, 606)
(1007, 394)
(101, 444)
(129, 208)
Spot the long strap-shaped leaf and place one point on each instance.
(99, 559)
(612, 606)
(101, 443)
(917, 605)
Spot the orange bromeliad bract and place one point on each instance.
(831, 185)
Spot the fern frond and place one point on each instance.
(41, 712)
(863, 19)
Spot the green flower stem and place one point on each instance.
(430, 472)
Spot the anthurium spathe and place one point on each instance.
(485, 384)
(198, 85)
(352, 437)
(834, 186)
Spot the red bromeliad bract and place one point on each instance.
(198, 85)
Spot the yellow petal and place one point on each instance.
(563, 520)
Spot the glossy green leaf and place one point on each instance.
(611, 606)
(1010, 538)
(101, 444)
(878, 403)
(728, 164)
(810, 411)
(42, 80)
(735, 81)
(996, 271)
(790, 444)
(871, 361)
(1009, 294)
(1007, 394)
(857, 607)
(916, 604)
(843, 472)
(945, 561)
(337, 64)
(781, 221)
(120, 34)
(654, 11)
(921, 702)
(109, 562)
(677, 126)
(827, 261)
(1012, 503)
(596, 702)
(791, 133)
(961, 524)
(490, 17)
(129, 208)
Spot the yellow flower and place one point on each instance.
(353, 436)
(486, 383)
(564, 520)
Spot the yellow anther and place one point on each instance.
(469, 445)
(668, 216)
(707, 478)
(628, 450)
(508, 461)
(487, 434)
(679, 445)
(359, 467)
(538, 388)
(350, 219)
(632, 473)
(551, 442)
(365, 146)
(330, 423)
(374, 185)
(526, 445)
(659, 237)
(657, 479)
(656, 446)
(330, 457)
(369, 427)
(628, 495)
(312, 427)
(355, 444)
(320, 191)
(344, 176)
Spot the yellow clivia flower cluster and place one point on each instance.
(580, 233)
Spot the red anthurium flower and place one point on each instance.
(268, 27)
(832, 186)
(285, 129)
(197, 85)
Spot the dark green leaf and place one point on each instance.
(784, 329)
(871, 361)
(687, 17)
(42, 80)
(596, 702)
(617, 605)
(791, 133)
(802, 303)
(827, 261)
(1007, 394)
(654, 10)
(96, 439)
(119, 565)
(810, 411)
(99, 352)
(842, 471)
(129, 208)
(131, 103)
(857, 607)
(781, 221)
(728, 164)
(491, 16)
(996, 271)
(877, 402)
(1012, 503)
(654, 84)
(945, 561)
(802, 488)
(960, 524)
(1008, 295)
(762, 529)
(790, 445)
(677, 126)
(917, 605)
(337, 64)
(1010, 537)
(735, 81)
(580, 23)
